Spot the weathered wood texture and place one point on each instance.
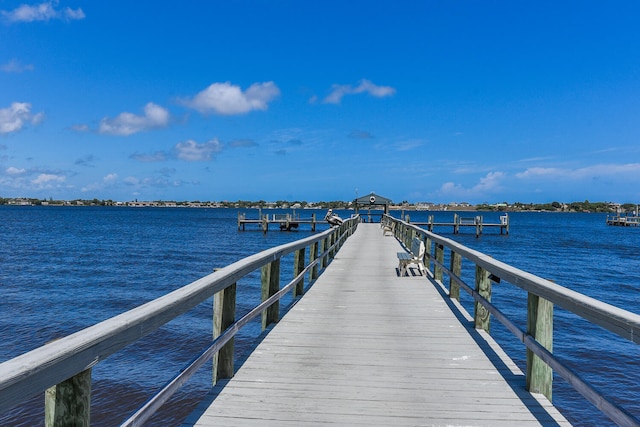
(540, 326)
(270, 277)
(69, 403)
(224, 314)
(366, 347)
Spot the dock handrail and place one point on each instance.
(542, 295)
(70, 357)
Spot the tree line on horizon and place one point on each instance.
(555, 206)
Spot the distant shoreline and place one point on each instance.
(585, 207)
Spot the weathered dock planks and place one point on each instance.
(367, 347)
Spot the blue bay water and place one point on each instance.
(66, 268)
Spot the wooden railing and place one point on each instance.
(63, 368)
(542, 296)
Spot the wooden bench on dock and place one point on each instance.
(416, 256)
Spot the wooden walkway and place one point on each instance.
(366, 347)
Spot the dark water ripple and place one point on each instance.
(63, 269)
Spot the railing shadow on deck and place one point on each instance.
(63, 368)
(516, 381)
(542, 296)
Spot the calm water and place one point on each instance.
(63, 269)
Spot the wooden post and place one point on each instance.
(224, 314)
(456, 223)
(483, 287)
(332, 244)
(270, 277)
(407, 236)
(69, 403)
(298, 266)
(456, 267)
(323, 248)
(437, 269)
(540, 327)
(427, 253)
(265, 224)
(430, 228)
(313, 254)
(478, 225)
(313, 222)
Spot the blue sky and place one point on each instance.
(424, 101)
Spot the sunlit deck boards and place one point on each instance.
(366, 347)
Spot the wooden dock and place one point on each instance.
(460, 221)
(367, 347)
(286, 222)
(624, 220)
(363, 346)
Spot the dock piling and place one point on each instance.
(224, 313)
(539, 378)
(69, 402)
(458, 222)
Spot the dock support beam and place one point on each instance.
(298, 266)
(540, 327)
(224, 314)
(456, 267)
(69, 403)
(323, 249)
(313, 255)
(483, 287)
(437, 269)
(270, 277)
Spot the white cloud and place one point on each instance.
(228, 99)
(42, 12)
(74, 14)
(601, 170)
(48, 180)
(15, 66)
(365, 86)
(14, 171)
(14, 117)
(110, 178)
(191, 151)
(489, 184)
(107, 181)
(129, 123)
(542, 172)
